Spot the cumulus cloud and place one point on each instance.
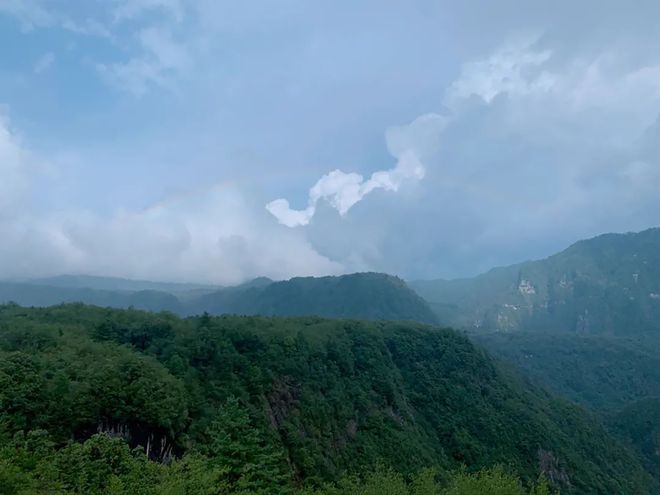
(215, 236)
(218, 234)
(581, 89)
(342, 190)
(532, 154)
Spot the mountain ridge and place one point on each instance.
(600, 285)
(366, 295)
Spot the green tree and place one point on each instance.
(251, 462)
(492, 481)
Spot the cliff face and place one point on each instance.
(609, 284)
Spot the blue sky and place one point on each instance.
(217, 141)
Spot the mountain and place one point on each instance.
(30, 294)
(116, 284)
(282, 401)
(371, 296)
(606, 285)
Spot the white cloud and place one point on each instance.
(30, 13)
(215, 235)
(44, 63)
(132, 9)
(156, 58)
(408, 143)
(538, 91)
(421, 135)
(513, 68)
(161, 61)
(33, 14)
(343, 190)
(535, 151)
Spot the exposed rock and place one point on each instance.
(549, 466)
(525, 287)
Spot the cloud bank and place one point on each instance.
(534, 152)
(218, 234)
(532, 141)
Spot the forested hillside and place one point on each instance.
(639, 424)
(617, 378)
(606, 285)
(372, 296)
(602, 373)
(269, 405)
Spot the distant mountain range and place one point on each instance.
(117, 284)
(606, 285)
(371, 296)
(32, 294)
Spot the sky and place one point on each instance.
(216, 141)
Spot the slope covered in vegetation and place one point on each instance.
(606, 285)
(267, 404)
(372, 296)
(639, 424)
(602, 373)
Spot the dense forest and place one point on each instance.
(114, 401)
(604, 374)
(370, 296)
(616, 378)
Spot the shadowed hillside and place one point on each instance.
(606, 285)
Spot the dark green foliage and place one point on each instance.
(371, 296)
(251, 463)
(83, 387)
(103, 466)
(296, 400)
(639, 424)
(602, 373)
(606, 285)
(494, 481)
(30, 465)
